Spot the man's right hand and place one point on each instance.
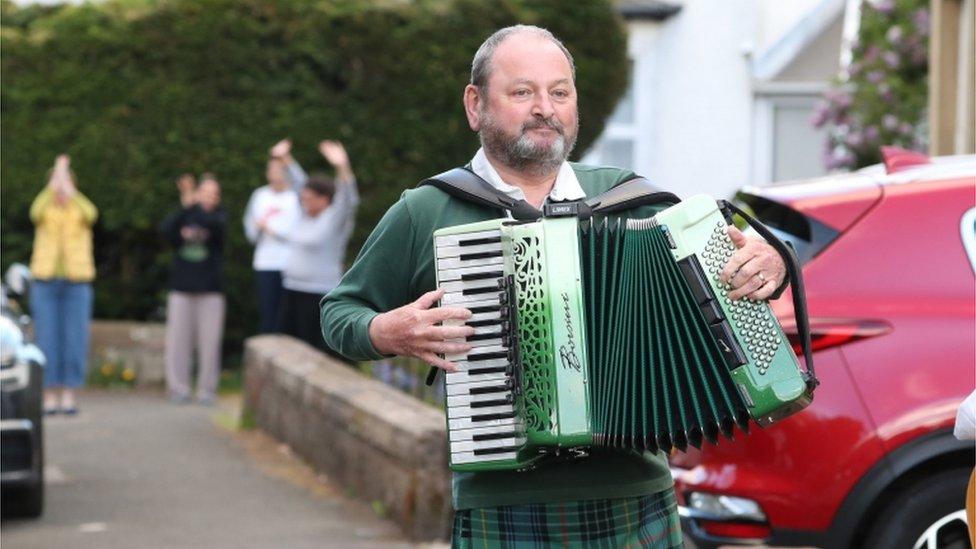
(411, 330)
(186, 186)
(281, 149)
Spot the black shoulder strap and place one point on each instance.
(632, 193)
(795, 276)
(466, 185)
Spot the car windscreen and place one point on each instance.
(808, 236)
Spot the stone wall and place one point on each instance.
(379, 444)
(138, 345)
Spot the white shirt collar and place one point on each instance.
(567, 187)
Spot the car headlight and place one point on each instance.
(11, 339)
(726, 507)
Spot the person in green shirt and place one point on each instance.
(522, 102)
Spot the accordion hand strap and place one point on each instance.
(795, 276)
(466, 185)
(632, 193)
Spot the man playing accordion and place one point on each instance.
(522, 102)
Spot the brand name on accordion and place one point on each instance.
(567, 352)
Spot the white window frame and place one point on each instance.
(640, 51)
(767, 97)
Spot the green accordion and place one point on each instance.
(605, 332)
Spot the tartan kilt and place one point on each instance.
(649, 521)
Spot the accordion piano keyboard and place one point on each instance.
(480, 405)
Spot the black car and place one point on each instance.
(21, 419)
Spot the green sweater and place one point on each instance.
(395, 267)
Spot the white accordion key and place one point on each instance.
(462, 239)
(459, 298)
(461, 285)
(462, 426)
(499, 398)
(478, 344)
(465, 422)
(447, 263)
(475, 356)
(484, 384)
(464, 411)
(471, 457)
(448, 275)
(476, 317)
(458, 378)
(506, 427)
(472, 445)
(472, 252)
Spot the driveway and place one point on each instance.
(134, 470)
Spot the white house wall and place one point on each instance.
(701, 113)
(700, 125)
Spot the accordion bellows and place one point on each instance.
(606, 332)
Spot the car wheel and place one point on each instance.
(25, 501)
(33, 504)
(28, 501)
(930, 514)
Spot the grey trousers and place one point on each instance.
(193, 320)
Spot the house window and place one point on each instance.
(786, 145)
(617, 152)
(624, 113)
(797, 145)
(615, 147)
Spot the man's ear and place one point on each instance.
(473, 105)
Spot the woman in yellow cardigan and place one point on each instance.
(63, 267)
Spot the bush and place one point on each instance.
(139, 91)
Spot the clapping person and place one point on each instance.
(195, 304)
(63, 267)
(273, 206)
(318, 242)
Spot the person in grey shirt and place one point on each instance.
(318, 240)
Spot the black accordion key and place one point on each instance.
(727, 344)
(713, 313)
(695, 276)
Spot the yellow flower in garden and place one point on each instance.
(128, 374)
(107, 370)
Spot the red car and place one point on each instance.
(889, 258)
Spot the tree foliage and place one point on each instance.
(138, 91)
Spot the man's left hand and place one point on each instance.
(334, 153)
(755, 270)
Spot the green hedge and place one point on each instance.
(139, 91)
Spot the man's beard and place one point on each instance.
(521, 152)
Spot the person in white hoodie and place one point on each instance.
(965, 429)
(272, 209)
(318, 240)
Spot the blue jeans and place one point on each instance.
(62, 311)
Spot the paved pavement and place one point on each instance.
(133, 470)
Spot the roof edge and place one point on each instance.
(647, 10)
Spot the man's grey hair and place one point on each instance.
(481, 64)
